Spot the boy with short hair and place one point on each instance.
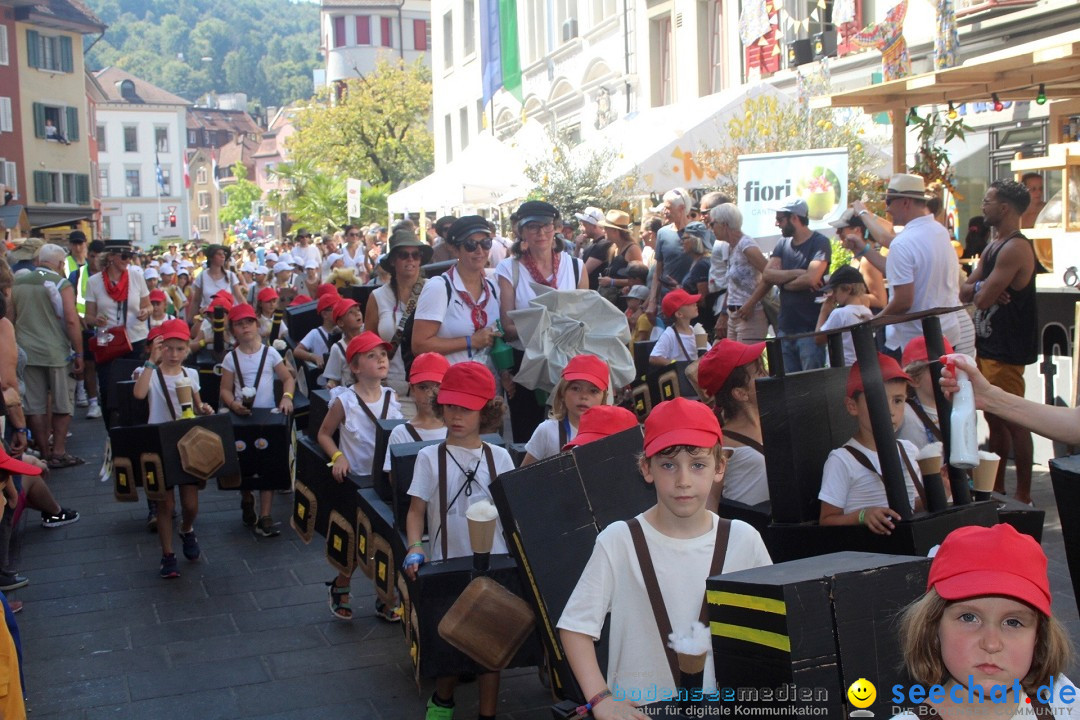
(683, 460)
(852, 490)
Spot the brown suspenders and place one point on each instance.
(745, 440)
(865, 462)
(443, 507)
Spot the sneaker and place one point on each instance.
(169, 567)
(15, 605)
(95, 410)
(64, 517)
(389, 614)
(438, 712)
(191, 545)
(80, 396)
(151, 518)
(12, 581)
(247, 510)
(266, 527)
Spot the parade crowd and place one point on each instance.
(443, 352)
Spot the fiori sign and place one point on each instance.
(820, 177)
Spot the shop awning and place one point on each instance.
(51, 217)
(1014, 74)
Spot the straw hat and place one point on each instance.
(617, 219)
(903, 185)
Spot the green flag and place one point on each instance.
(511, 52)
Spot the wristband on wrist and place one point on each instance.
(333, 458)
(862, 212)
(22, 431)
(418, 543)
(862, 516)
(583, 710)
(149, 365)
(468, 344)
(287, 395)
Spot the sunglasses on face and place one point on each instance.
(407, 255)
(471, 245)
(538, 227)
(125, 255)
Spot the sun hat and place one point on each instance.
(465, 226)
(905, 185)
(599, 422)
(300, 300)
(681, 422)
(468, 384)
(618, 219)
(717, 365)
(997, 560)
(151, 274)
(428, 367)
(890, 370)
(536, 211)
(402, 238)
(638, 291)
(589, 368)
(845, 275)
(16, 467)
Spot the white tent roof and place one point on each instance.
(486, 170)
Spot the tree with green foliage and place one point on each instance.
(238, 197)
(573, 178)
(375, 131)
(318, 200)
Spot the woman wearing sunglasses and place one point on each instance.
(215, 278)
(118, 297)
(457, 311)
(392, 304)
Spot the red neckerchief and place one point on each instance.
(530, 265)
(479, 314)
(118, 291)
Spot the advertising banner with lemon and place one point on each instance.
(820, 177)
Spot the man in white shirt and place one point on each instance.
(304, 251)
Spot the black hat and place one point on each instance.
(536, 211)
(301, 233)
(466, 226)
(118, 246)
(96, 246)
(845, 275)
(77, 236)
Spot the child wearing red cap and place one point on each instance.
(254, 365)
(316, 344)
(920, 425)
(583, 385)
(425, 377)
(726, 376)
(353, 410)
(983, 641)
(851, 492)
(205, 335)
(457, 471)
(350, 322)
(601, 421)
(677, 342)
(266, 303)
(157, 383)
(678, 538)
(158, 310)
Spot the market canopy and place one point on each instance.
(1014, 74)
(485, 171)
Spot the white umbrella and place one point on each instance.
(559, 324)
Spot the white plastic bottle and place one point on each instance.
(964, 442)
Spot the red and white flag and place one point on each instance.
(187, 173)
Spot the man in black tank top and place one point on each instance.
(1006, 325)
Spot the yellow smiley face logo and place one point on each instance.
(862, 693)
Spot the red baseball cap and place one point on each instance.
(154, 332)
(157, 296)
(723, 357)
(428, 367)
(174, 330)
(363, 342)
(588, 368)
(997, 560)
(468, 384)
(10, 465)
(299, 300)
(890, 370)
(676, 299)
(600, 421)
(681, 422)
(342, 306)
(326, 289)
(327, 301)
(267, 294)
(241, 312)
(915, 351)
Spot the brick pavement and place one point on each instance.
(244, 633)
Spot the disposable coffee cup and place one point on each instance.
(692, 664)
(700, 337)
(183, 391)
(984, 474)
(930, 459)
(247, 397)
(482, 518)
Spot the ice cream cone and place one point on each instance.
(247, 396)
(692, 664)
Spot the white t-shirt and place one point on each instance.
(249, 367)
(315, 341)
(523, 292)
(913, 429)
(390, 312)
(846, 484)
(718, 266)
(636, 656)
(847, 316)
(305, 254)
(745, 480)
(400, 434)
(95, 293)
(211, 287)
(921, 254)
(336, 368)
(206, 327)
(1059, 707)
(425, 485)
(356, 437)
(159, 408)
(455, 316)
(545, 438)
(668, 346)
(353, 261)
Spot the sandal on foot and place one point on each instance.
(57, 462)
(340, 609)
